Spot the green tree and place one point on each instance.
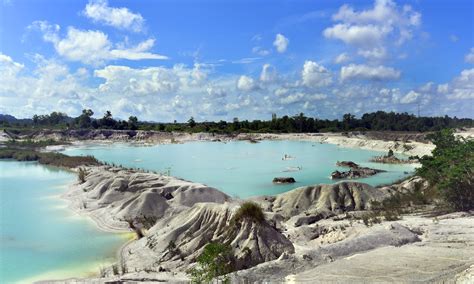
(191, 122)
(84, 120)
(451, 169)
(133, 122)
(215, 261)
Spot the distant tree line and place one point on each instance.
(379, 121)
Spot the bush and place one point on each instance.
(249, 211)
(81, 175)
(370, 218)
(215, 261)
(450, 169)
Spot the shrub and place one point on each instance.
(249, 211)
(371, 218)
(450, 169)
(390, 153)
(81, 175)
(215, 261)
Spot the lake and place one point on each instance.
(40, 237)
(241, 168)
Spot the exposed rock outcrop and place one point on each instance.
(356, 171)
(284, 180)
(392, 160)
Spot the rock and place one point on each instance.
(392, 160)
(356, 171)
(359, 172)
(284, 180)
(308, 220)
(349, 164)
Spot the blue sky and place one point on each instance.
(166, 60)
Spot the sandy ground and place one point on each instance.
(444, 254)
(359, 141)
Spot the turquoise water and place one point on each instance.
(241, 168)
(39, 237)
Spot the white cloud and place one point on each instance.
(9, 67)
(268, 74)
(216, 92)
(366, 72)
(428, 88)
(281, 43)
(291, 99)
(99, 11)
(409, 98)
(469, 58)
(246, 84)
(260, 51)
(315, 75)
(342, 58)
(93, 47)
(301, 97)
(281, 91)
(463, 85)
(443, 88)
(246, 60)
(151, 80)
(368, 35)
(376, 53)
(371, 27)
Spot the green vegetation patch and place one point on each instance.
(249, 211)
(214, 262)
(48, 158)
(450, 169)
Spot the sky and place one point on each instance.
(216, 60)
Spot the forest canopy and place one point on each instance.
(375, 121)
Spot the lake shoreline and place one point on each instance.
(400, 142)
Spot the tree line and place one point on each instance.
(377, 121)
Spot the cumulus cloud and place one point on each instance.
(315, 75)
(342, 58)
(268, 74)
(376, 53)
(9, 67)
(281, 43)
(410, 97)
(469, 58)
(371, 29)
(246, 84)
(368, 35)
(92, 47)
(462, 86)
(151, 80)
(301, 97)
(366, 72)
(443, 88)
(99, 11)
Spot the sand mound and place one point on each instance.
(116, 195)
(340, 197)
(176, 241)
